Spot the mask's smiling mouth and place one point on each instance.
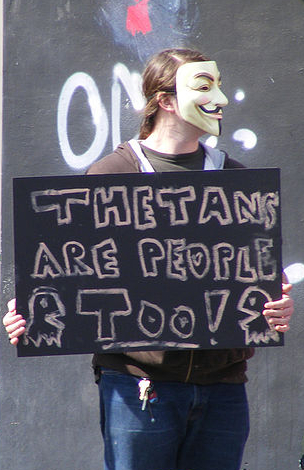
(217, 111)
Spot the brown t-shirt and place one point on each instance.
(181, 162)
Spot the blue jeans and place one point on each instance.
(190, 427)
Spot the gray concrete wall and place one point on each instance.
(49, 406)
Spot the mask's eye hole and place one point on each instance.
(205, 87)
(202, 84)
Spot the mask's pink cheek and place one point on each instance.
(202, 100)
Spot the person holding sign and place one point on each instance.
(174, 410)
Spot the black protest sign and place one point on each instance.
(147, 261)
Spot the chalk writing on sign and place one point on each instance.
(138, 261)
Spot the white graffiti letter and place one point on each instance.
(115, 202)
(215, 313)
(150, 251)
(59, 201)
(175, 200)
(175, 259)
(73, 253)
(182, 322)
(244, 272)
(270, 201)
(132, 85)
(143, 212)
(222, 254)
(104, 259)
(151, 319)
(46, 263)
(266, 263)
(105, 304)
(248, 210)
(215, 204)
(99, 118)
(198, 258)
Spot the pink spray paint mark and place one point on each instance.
(138, 20)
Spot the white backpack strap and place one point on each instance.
(214, 158)
(145, 165)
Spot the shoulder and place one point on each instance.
(122, 160)
(231, 163)
(216, 159)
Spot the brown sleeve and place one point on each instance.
(114, 163)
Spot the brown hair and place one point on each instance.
(159, 75)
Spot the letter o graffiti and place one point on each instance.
(99, 117)
(176, 322)
(152, 312)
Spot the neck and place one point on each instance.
(173, 136)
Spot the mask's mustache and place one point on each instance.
(212, 111)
